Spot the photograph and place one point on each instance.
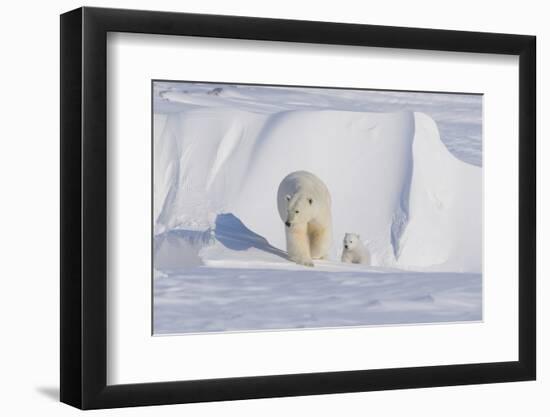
(280, 207)
(300, 208)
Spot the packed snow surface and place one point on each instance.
(219, 156)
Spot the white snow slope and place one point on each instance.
(219, 242)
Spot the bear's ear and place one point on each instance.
(288, 197)
(310, 200)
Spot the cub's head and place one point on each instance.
(351, 241)
(300, 209)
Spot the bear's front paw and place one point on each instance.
(300, 261)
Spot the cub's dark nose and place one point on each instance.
(346, 246)
(287, 224)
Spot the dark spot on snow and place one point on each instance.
(424, 298)
(373, 303)
(215, 92)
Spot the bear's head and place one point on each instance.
(351, 241)
(300, 209)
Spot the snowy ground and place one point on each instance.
(219, 155)
(240, 282)
(232, 299)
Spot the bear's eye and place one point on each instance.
(297, 211)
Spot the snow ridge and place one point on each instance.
(391, 178)
(401, 216)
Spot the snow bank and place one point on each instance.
(458, 116)
(391, 178)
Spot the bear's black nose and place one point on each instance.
(287, 224)
(346, 246)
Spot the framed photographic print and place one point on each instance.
(257, 207)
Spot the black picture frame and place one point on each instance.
(84, 207)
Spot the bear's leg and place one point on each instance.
(297, 245)
(346, 257)
(319, 241)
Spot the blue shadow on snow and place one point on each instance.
(233, 234)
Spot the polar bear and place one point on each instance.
(304, 205)
(355, 251)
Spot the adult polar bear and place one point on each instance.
(304, 205)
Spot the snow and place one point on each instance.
(244, 283)
(250, 298)
(219, 156)
(458, 116)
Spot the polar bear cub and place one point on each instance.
(304, 204)
(354, 250)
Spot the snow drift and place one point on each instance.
(391, 178)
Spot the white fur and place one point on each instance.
(355, 251)
(304, 202)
